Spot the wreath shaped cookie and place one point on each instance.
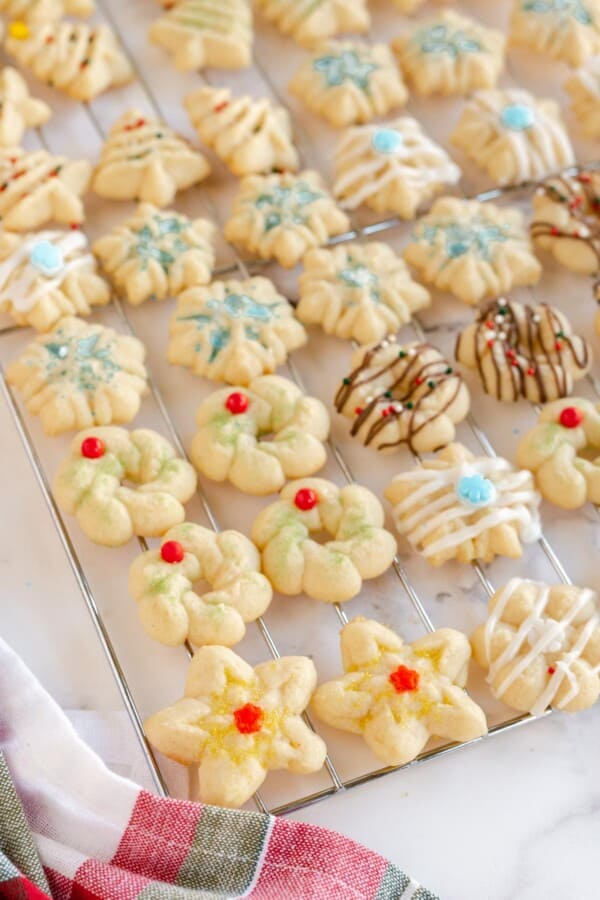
(162, 583)
(90, 484)
(359, 548)
(258, 437)
(563, 452)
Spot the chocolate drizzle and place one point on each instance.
(581, 195)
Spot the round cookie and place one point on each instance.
(566, 220)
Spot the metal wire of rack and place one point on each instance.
(338, 784)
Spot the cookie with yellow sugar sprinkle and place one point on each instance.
(34, 11)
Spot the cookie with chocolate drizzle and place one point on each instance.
(566, 219)
(524, 351)
(403, 394)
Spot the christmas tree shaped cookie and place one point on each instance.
(18, 110)
(201, 33)
(311, 21)
(46, 10)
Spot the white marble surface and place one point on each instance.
(513, 818)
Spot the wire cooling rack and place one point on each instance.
(403, 597)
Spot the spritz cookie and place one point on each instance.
(236, 723)
(462, 507)
(563, 452)
(410, 6)
(566, 220)
(311, 21)
(171, 607)
(391, 168)
(450, 54)
(473, 250)
(46, 10)
(358, 546)
(79, 375)
(583, 87)
(282, 216)
(47, 275)
(37, 187)
(119, 483)
(18, 109)
(201, 33)
(350, 82)
(540, 645)
(80, 59)
(403, 395)
(565, 30)
(524, 351)
(399, 695)
(233, 330)
(157, 254)
(259, 436)
(144, 159)
(359, 292)
(252, 137)
(513, 136)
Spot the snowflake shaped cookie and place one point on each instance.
(350, 82)
(120, 483)
(566, 220)
(310, 21)
(35, 11)
(399, 695)
(18, 109)
(583, 87)
(282, 216)
(541, 646)
(473, 250)
(359, 292)
(144, 159)
(79, 375)
(462, 507)
(200, 33)
(514, 136)
(566, 30)
(157, 254)
(233, 330)
(391, 168)
(77, 58)
(237, 723)
(450, 54)
(250, 136)
(48, 275)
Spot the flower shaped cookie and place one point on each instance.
(458, 506)
(393, 168)
(260, 436)
(18, 109)
(333, 572)
(524, 351)
(358, 292)
(162, 584)
(474, 250)
(200, 33)
(237, 723)
(450, 54)
(566, 220)
(566, 30)
(45, 10)
(311, 21)
(281, 216)
(233, 330)
(397, 695)
(349, 82)
(47, 275)
(79, 375)
(250, 136)
(541, 646)
(514, 136)
(90, 484)
(563, 452)
(143, 159)
(157, 254)
(403, 394)
(583, 87)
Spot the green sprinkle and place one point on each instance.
(431, 384)
(402, 354)
(410, 405)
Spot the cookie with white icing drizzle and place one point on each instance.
(513, 135)
(462, 507)
(403, 394)
(524, 351)
(18, 109)
(541, 646)
(46, 10)
(566, 220)
(311, 21)
(201, 33)
(565, 30)
(583, 87)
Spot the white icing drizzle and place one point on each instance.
(23, 285)
(589, 76)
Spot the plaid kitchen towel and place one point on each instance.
(71, 829)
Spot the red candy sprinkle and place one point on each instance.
(558, 345)
(172, 552)
(554, 231)
(551, 670)
(237, 403)
(404, 679)
(93, 448)
(490, 325)
(531, 370)
(419, 381)
(248, 718)
(358, 411)
(306, 499)
(584, 178)
(571, 417)
(221, 106)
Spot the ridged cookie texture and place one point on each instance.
(201, 33)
